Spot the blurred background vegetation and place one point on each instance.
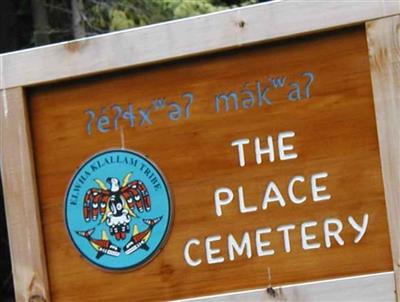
(30, 23)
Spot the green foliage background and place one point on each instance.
(122, 14)
(103, 16)
(97, 17)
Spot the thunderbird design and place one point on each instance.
(116, 204)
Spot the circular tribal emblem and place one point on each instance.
(118, 210)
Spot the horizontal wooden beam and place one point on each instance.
(182, 38)
(376, 287)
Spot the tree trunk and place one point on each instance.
(40, 23)
(78, 27)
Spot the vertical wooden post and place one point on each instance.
(384, 52)
(21, 202)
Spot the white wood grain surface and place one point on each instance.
(20, 199)
(186, 37)
(384, 52)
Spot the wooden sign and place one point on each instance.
(270, 154)
(202, 157)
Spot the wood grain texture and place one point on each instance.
(21, 203)
(369, 288)
(384, 51)
(191, 36)
(335, 132)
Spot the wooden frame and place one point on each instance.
(383, 43)
(231, 29)
(377, 287)
(27, 251)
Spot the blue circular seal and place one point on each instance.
(118, 210)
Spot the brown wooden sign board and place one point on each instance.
(270, 154)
